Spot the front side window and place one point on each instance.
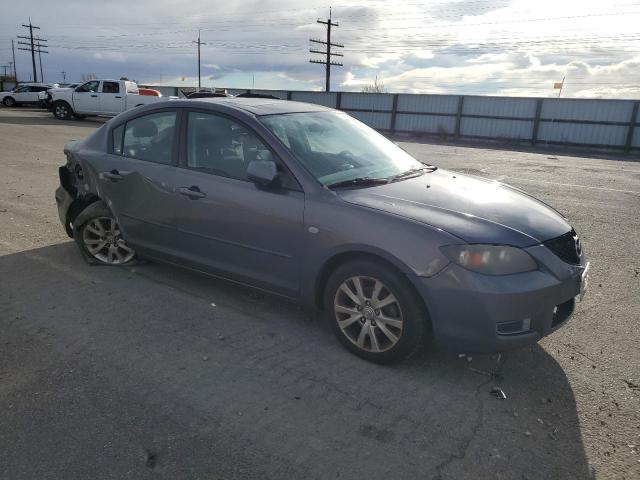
(220, 146)
(21, 90)
(110, 87)
(149, 137)
(335, 147)
(117, 136)
(91, 86)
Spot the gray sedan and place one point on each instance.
(308, 203)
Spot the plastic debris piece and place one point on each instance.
(499, 393)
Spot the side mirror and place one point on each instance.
(262, 172)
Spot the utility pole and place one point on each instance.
(15, 72)
(328, 54)
(33, 45)
(40, 60)
(64, 77)
(199, 43)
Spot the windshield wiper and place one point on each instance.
(359, 182)
(414, 172)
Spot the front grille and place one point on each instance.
(567, 247)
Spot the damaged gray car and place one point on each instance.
(309, 203)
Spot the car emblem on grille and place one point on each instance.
(578, 245)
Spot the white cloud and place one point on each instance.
(514, 47)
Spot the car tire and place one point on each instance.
(9, 102)
(98, 235)
(384, 320)
(62, 110)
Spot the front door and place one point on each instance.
(137, 180)
(229, 225)
(86, 98)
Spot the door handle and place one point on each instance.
(193, 192)
(114, 175)
(118, 96)
(94, 95)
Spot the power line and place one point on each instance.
(328, 54)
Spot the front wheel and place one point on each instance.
(9, 102)
(62, 111)
(100, 238)
(374, 311)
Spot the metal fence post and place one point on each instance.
(536, 122)
(338, 100)
(459, 115)
(289, 94)
(632, 127)
(394, 111)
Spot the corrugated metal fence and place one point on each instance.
(557, 121)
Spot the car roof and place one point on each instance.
(261, 106)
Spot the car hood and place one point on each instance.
(471, 208)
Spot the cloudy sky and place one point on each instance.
(493, 47)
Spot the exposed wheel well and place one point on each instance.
(76, 207)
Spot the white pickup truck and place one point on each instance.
(97, 97)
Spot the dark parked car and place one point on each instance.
(311, 204)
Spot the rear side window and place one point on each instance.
(110, 87)
(149, 137)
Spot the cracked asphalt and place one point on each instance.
(155, 372)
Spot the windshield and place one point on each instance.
(336, 148)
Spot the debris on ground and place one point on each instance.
(498, 393)
(150, 459)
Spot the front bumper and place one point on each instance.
(471, 312)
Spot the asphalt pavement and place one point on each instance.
(155, 372)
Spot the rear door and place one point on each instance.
(227, 224)
(137, 180)
(111, 98)
(86, 98)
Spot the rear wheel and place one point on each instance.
(62, 111)
(9, 102)
(374, 311)
(100, 238)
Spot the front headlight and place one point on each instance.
(490, 259)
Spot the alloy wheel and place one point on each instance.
(103, 240)
(368, 314)
(61, 111)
